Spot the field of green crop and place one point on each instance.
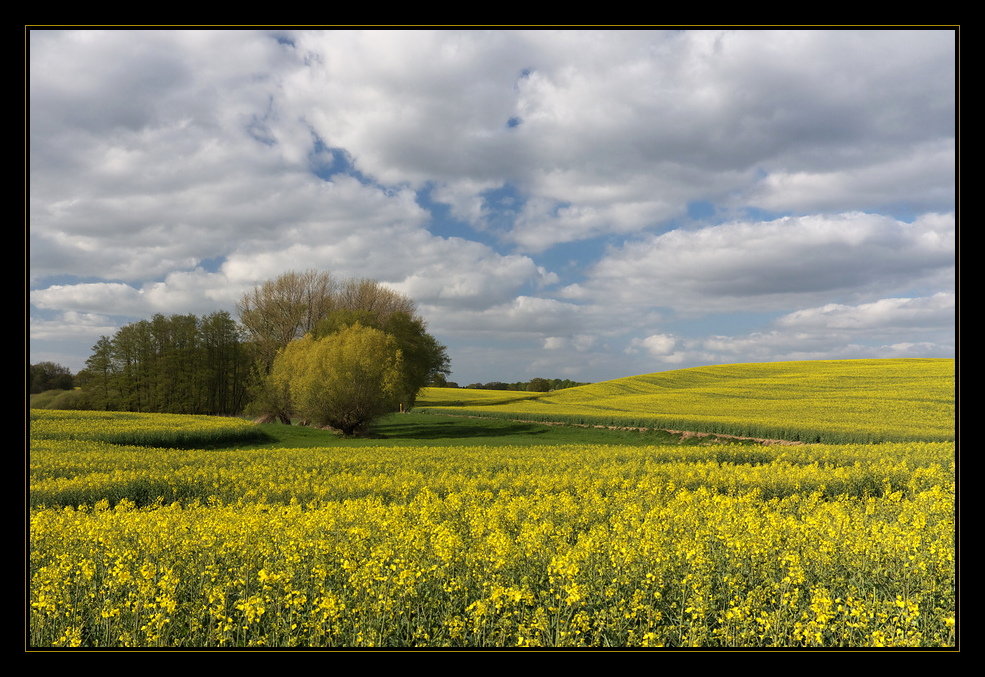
(396, 543)
(841, 401)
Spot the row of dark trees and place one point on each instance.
(179, 364)
(48, 376)
(534, 385)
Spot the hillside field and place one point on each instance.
(814, 401)
(160, 531)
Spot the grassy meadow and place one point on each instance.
(452, 531)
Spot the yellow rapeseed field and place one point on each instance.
(132, 428)
(814, 401)
(846, 545)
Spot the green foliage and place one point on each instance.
(423, 358)
(534, 385)
(170, 364)
(280, 312)
(343, 380)
(48, 376)
(290, 306)
(61, 399)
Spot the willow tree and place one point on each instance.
(343, 380)
(424, 359)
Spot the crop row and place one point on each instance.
(73, 473)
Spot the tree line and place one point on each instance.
(534, 385)
(307, 346)
(48, 376)
(328, 352)
(177, 364)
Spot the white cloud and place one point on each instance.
(934, 313)
(622, 129)
(71, 325)
(578, 342)
(110, 298)
(543, 223)
(463, 275)
(832, 331)
(465, 199)
(657, 345)
(775, 264)
(925, 174)
(538, 318)
(171, 170)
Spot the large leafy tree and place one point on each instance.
(423, 358)
(286, 308)
(279, 312)
(343, 380)
(364, 294)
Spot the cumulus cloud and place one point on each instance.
(832, 331)
(471, 278)
(535, 317)
(104, 297)
(621, 129)
(663, 348)
(771, 265)
(71, 325)
(579, 342)
(934, 313)
(924, 172)
(172, 170)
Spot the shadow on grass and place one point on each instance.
(414, 429)
(430, 427)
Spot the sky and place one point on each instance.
(580, 204)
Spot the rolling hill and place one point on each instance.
(831, 401)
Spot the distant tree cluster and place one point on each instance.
(48, 376)
(328, 352)
(534, 385)
(178, 364)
